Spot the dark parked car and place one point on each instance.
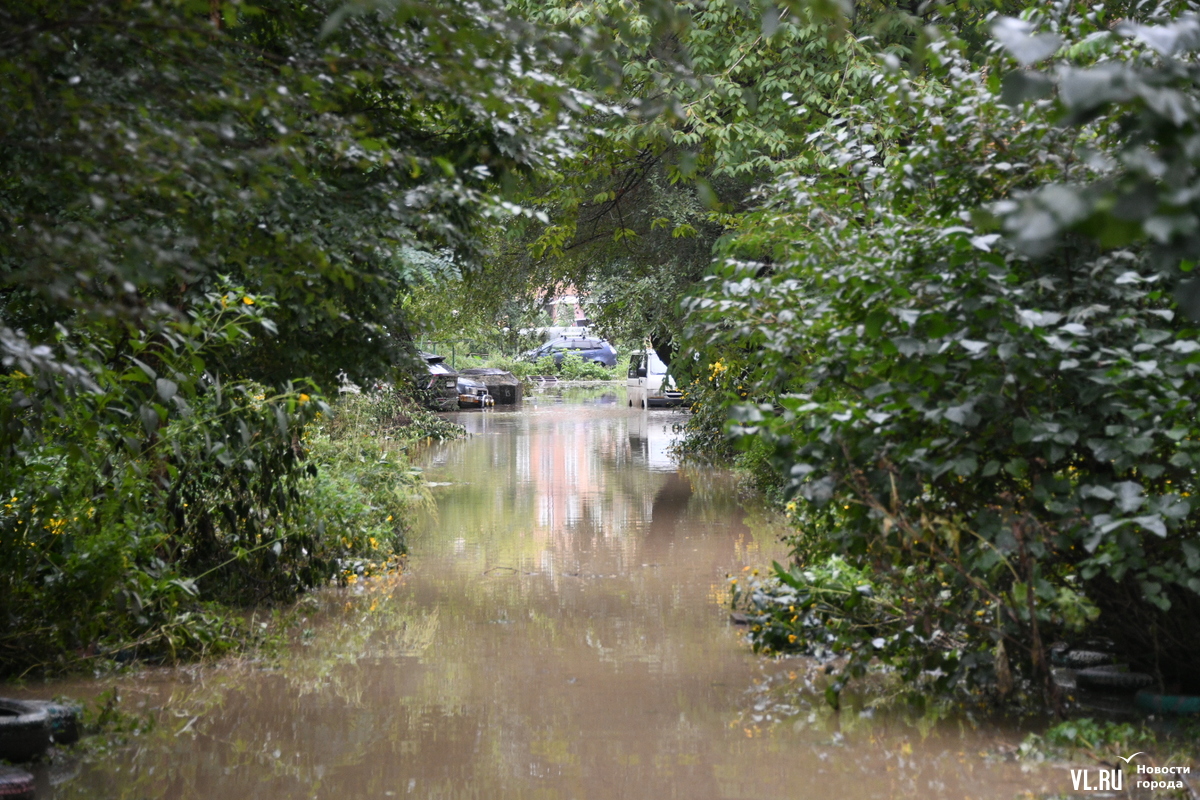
(589, 349)
(503, 386)
(473, 394)
(438, 388)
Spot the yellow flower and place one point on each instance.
(791, 638)
(248, 300)
(389, 519)
(304, 398)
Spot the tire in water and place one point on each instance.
(64, 720)
(1087, 658)
(15, 782)
(1112, 680)
(24, 730)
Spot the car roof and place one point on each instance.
(431, 358)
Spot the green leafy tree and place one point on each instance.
(200, 204)
(305, 151)
(714, 99)
(1006, 441)
(706, 108)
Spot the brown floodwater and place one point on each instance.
(558, 634)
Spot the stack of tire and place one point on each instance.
(1099, 671)
(27, 729)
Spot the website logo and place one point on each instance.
(1096, 780)
(1146, 777)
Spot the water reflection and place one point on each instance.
(558, 635)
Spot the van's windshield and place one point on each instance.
(656, 366)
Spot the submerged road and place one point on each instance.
(559, 635)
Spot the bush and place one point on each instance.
(1004, 438)
(574, 368)
(519, 367)
(141, 514)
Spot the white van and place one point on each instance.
(650, 384)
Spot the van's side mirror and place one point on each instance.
(641, 373)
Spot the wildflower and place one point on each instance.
(389, 519)
(791, 638)
(304, 398)
(248, 300)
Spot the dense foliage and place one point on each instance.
(1000, 430)
(118, 547)
(208, 212)
(950, 311)
(713, 99)
(306, 154)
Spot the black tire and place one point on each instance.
(64, 720)
(24, 730)
(1080, 659)
(1109, 679)
(16, 782)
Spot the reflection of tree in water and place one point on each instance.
(669, 508)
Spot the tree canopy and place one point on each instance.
(965, 345)
(301, 151)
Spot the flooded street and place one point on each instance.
(559, 634)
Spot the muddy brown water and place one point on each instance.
(558, 634)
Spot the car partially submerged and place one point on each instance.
(649, 383)
(438, 387)
(473, 394)
(504, 387)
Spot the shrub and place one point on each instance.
(574, 368)
(1005, 437)
(142, 512)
